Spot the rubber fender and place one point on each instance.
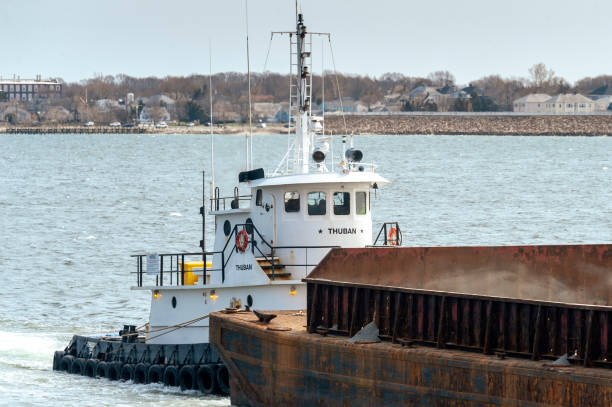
(171, 376)
(78, 366)
(57, 357)
(155, 374)
(114, 371)
(206, 379)
(90, 367)
(127, 372)
(66, 363)
(101, 369)
(140, 373)
(223, 379)
(187, 377)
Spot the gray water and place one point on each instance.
(74, 207)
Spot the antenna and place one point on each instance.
(212, 136)
(249, 141)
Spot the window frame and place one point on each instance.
(259, 197)
(365, 202)
(285, 201)
(344, 205)
(318, 204)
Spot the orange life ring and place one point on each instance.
(242, 240)
(392, 237)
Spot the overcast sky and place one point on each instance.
(75, 39)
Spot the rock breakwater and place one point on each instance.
(566, 125)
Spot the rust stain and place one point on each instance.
(577, 274)
(302, 369)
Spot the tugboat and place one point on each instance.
(265, 244)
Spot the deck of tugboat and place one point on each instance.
(212, 286)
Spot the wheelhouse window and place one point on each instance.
(342, 203)
(361, 202)
(258, 198)
(316, 203)
(292, 201)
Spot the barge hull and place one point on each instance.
(279, 368)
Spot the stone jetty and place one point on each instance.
(522, 125)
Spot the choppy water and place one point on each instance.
(74, 207)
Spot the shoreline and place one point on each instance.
(448, 125)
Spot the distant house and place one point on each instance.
(157, 108)
(564, 103)
(28, 90)
(532, 103)
(601, 92)
(348, 104)
(424, 94)
(570, 103)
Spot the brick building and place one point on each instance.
(28, 90)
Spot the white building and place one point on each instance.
(28, 90)
(532, 103)
(560, 104)
(570, 103)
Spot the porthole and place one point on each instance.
(173, 302)
(249, 226)
(249, 300)
(227, 227)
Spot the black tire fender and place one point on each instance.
(223, 379)
(65, 364)
(140, 373)
(171, 376)
(57, 357)
(187, 377)
(114, 371)
(101, 369)
(206, 379)
(78, 366)
(155, 374)
(90, 367)
(127, 372)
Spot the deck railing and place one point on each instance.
(172, 268)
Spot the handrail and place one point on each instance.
(176, 266)
(177, 260)
(214, 202)
(385, 230)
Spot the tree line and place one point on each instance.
(192, 102)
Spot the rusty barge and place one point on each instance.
(455, 326)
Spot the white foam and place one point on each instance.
(27, 349)
(175, 214)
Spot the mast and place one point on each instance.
(212, 137)
(302, 130)
(300, 94)
(249, 138)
